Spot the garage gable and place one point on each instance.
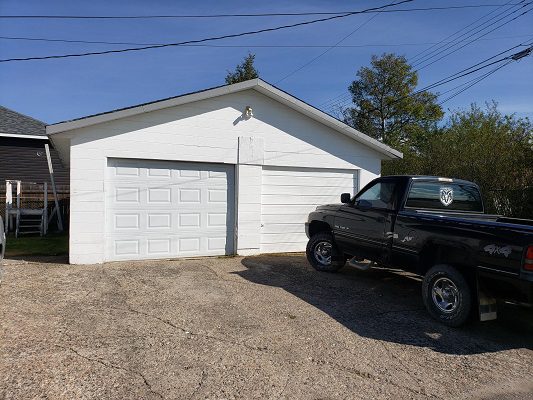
(61, 133)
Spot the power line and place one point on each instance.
(203, 40)
(418, 55)
(344, 97)
(427, 64)
(454, 42)
(513, 57)
(52, 40)
(285, 14)
(476, 81)
(330, 48)
(479, 65)
(470, 70)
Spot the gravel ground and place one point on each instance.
(254, 327)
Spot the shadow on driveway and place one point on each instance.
(386, 305)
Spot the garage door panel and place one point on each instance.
(285, 228)
(298, 199)
(279, 237)
(286, 209)
(304, 172)
(289, 195)
(158, 209)
(307, 181)
(304, 190)
(294, 218)
(283, 247)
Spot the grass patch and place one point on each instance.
(49, 245)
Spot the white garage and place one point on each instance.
(229, 170)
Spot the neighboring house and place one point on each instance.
(22, 154)
(233, 169)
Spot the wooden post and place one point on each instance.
(44, 219)
(9, 203)
(19, 192)
(17, 217)
(51, 169)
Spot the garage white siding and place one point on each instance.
(209, 127)
(158, 209)
(288, 195)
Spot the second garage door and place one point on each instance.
(289, 195)
(160, 209)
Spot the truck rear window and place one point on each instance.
(444, 196)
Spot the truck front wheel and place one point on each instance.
(322, 253)
(447, 295)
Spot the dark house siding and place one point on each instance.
(19, 160)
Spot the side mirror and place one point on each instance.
(364, 205)
(345, 198)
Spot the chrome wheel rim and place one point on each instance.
(323, 252)
(445, 295)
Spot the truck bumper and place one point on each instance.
(307, 230)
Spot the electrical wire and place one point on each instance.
(234, 35)
(52, 40)
(468, 71)
(329, 48)
(285, 14)
(472, 68)
(427, 64)
(419, 55)
(476, 81)
(425, 58)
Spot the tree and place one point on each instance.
(244, 71)
(491, 149)
(486, 147)
(386, 105)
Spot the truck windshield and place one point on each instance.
(444, 196)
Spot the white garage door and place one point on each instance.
(160, 209)
(289, 195)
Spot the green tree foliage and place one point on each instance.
(386, 105)
(244, 71)
(486, 147)
(493, 150)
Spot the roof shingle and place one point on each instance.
(14, 123)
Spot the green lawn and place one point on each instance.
(49, 245)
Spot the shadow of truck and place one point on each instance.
(386, 305)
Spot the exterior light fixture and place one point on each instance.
(248, 113)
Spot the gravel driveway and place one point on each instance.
(254, 327)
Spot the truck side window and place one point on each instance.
(380, 195)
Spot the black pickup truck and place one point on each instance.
(437, 228)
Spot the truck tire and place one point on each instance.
(322, 253)
(447, 295)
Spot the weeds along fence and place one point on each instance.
(32, 196)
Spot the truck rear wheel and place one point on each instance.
(447, 295)
(322, 253)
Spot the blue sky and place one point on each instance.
(56, 90)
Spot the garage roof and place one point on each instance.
(255, 84)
